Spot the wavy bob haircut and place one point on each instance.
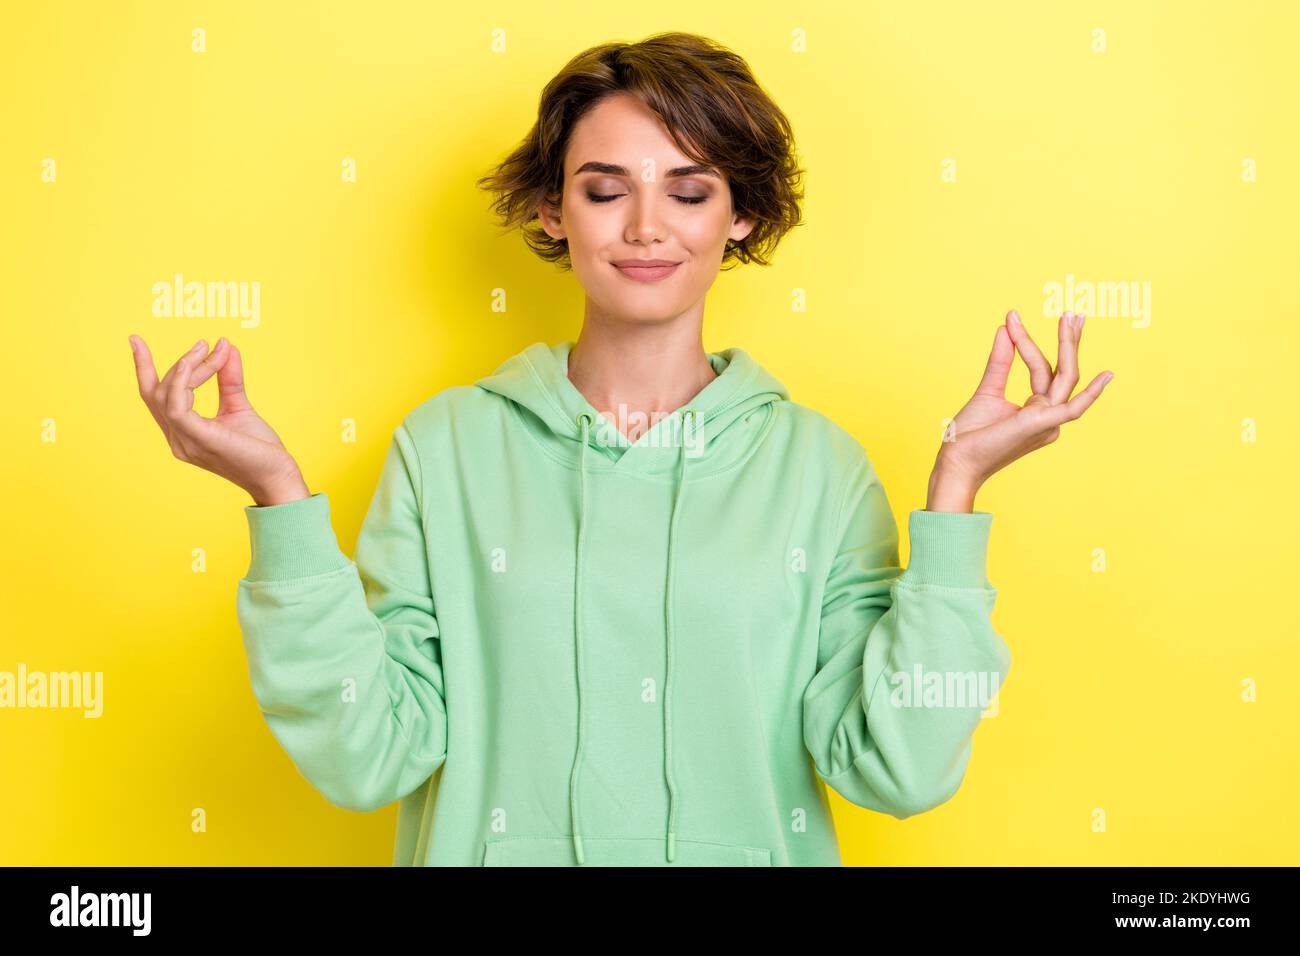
(713, 108)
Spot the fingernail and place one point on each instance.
(197, 344)
(220, 342)
(1015, 317)
(1107, 377)
(131, 339)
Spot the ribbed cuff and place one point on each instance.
(949, 548)
(292, 540)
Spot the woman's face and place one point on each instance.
(630, 195)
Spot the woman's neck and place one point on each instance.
(636, 374)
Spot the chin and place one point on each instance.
(634, 313)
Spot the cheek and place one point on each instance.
(590, 228)
(702, 232)
(590, 234)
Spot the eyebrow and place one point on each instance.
(613, 169)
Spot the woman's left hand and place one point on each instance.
(990, 432)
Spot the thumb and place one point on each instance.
(994, 380)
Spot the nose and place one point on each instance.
(646, 224)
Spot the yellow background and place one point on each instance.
(1125, 692)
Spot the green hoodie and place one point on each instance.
(558, 647)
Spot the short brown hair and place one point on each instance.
(714, 109)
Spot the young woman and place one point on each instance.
(623, 601)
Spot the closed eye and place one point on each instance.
(684, 200)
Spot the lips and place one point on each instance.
(646, 270)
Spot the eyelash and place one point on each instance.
(684, 200)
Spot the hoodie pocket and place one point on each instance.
(621, 851)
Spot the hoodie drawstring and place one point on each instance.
(668, 644)
(584, 419)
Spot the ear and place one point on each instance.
(548, 212)
(741, 227)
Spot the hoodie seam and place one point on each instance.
(272, 584)
(754, 446)
(419, 472)
(418, 489)
(837, 529)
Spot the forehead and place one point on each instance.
(621, 130)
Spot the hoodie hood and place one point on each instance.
(729, 414)
(719, 426)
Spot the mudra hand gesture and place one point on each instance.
(236, 443)
(991, 432)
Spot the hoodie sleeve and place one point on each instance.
(344, 656)
(878, 628)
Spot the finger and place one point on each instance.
(171, 426)
(164, 385)
(158, 402)
(998, 367)
(230, 381)
(178, 400)
(1075, 407)
(166, 420)
(1067, 358)
(1040, 373)
(205, 369)
(145, 374)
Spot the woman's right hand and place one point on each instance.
(235, 444)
